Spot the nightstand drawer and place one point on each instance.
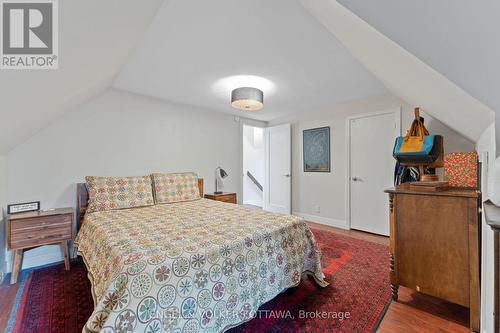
(224, 197)
(227, 198)
(22, 238)
(33, 231)
(39, 222)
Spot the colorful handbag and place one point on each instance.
(417, 141)
(434, 159)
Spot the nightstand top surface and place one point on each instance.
(41, 213)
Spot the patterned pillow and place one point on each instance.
(107, 193)
(175, 187)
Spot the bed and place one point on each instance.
(195, 266)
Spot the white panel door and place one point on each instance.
(371, 170)
(277, 192)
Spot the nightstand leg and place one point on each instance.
(65, 250)
(16, 267)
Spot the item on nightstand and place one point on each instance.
(220, 174)
(23, 207)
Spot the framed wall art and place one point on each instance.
(316, 149)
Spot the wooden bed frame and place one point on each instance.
(82, 199)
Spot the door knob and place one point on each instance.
(356, 179)
(287, 175)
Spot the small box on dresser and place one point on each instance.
(32, 229)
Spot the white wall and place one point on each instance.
(120, 134)
(93, 48)
(253, 161)
(486, 143)
(3, 204)
(328, 190)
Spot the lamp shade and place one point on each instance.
(223, 173)
(247, 99)
(220, 174)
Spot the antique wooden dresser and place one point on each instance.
(435, 245)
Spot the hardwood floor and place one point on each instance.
(7, 296)
(413, 312)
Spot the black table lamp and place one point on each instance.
(220, 174)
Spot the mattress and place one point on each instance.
(197, 266)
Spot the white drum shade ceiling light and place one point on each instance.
(247, 99)
(246, 91)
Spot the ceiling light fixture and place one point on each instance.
(247, 99)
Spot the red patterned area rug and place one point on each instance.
(54, 300)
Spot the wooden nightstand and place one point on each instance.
(32, 229)
(224, 197)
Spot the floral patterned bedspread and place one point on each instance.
(198, 266)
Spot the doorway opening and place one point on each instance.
(253, 166)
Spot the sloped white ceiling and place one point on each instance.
(459, 39)
(95, 40)
(191, 44)
(404, 74)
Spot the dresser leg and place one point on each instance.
(394, 291)
(16, 267)
(65, 250)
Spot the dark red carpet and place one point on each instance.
(55, 300)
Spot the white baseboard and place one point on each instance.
(253, 203)
(323, 220)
